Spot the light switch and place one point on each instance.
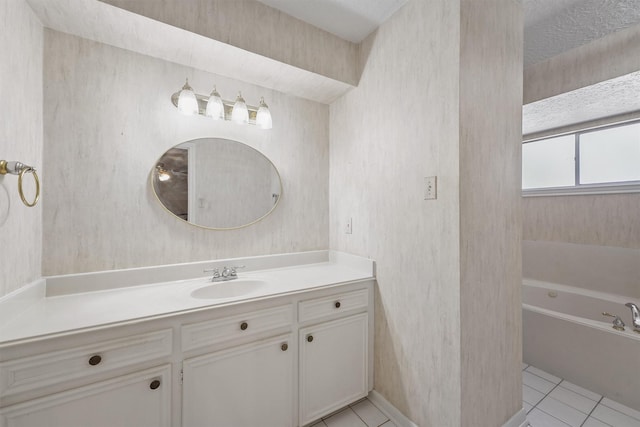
(348, 229)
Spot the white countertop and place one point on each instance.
(38, 316)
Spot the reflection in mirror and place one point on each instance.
(216, 183)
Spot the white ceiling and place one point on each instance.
(351, 20)
(555, 26)
(551, 26)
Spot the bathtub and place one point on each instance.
(565, 334)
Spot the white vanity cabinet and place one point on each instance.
(248, 385)
(334, 355)
(142, 399)
(86, 382)
(243, 383)
(278, 361)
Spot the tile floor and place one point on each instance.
(549, 401)
(360, 414)
(553, 402)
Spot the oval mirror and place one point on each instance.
(216, 183)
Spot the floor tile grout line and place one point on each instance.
(554, 417)
(380, 410)
(545, 396)
(581, 395)
(350, 407)
(336, 412)
(561, 379)
(387, 418)
(592, 410)
(619, 411)
(550, 391)
(358, 415)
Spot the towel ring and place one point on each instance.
(35, 177)
(17, 168)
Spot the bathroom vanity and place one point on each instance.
(286, 343)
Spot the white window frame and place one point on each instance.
(578, 188)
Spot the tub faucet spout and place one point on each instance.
(635, 315)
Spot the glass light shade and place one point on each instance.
(240, 113)
(187, 101)
(215, 106)
(263, 116)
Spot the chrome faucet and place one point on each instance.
(228, 273)
(635, 316)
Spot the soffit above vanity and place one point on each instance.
(322, 73)
(610, 98)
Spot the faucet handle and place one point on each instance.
(215, 271)
(233, 269)
(618, 324)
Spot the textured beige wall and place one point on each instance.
(590, 241)
(490, 211)
(255, 27)
(600, 268)
(606, 220)
(20, 140)
(418, 99)
(398, 126)
(107, 119)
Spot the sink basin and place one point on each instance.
(230, 289)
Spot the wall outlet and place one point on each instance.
(430, 188)
(348, 229)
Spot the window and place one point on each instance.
(549, 163)
(598, 160)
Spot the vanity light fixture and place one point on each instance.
(240, 113)
(263, 116)
(213, 106)
(187, 101)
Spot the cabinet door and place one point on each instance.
(246, 386)
(333, 366)
(142, 400)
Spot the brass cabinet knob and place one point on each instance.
(244, 325)
(337, 304)
(310, 338)
(95, 360)
(284, 347)
(154, 384)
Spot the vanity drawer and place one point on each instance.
(237, 326)
(318, 308)
(46, 369)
